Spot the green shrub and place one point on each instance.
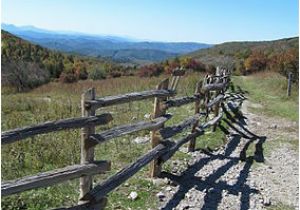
(97, 73)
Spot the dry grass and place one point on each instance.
(55, 150)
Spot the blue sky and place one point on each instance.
(208, 21)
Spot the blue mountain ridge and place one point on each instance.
(118, 48)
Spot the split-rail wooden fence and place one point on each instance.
(209, 93)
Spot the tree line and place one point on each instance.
(26, 65)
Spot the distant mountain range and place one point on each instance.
(121, 49)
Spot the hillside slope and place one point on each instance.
(26, 65)
(277, 55)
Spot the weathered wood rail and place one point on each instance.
(71, 123)
(208, 98)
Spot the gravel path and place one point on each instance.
(220, 180)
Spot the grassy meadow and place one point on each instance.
(269, 90)
(56, 150)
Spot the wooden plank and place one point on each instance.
(176, 81)
(221, 76)
(217, 75)
(155, 167)
(135, 96)
(171, 84)
(173, 130)
(198, 132)
(116, 180)
(175, 145)
(214, 86)
(127, 129)
(163, 149)
(86, 148)
(215, 101)
(192, 143)
(207, 97)
(49, 178)
(211, 122)
(58, 125)
(177, 102)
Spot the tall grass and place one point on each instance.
(56, 150)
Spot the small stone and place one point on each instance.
(133, 196)
(142, 139)
(266, 201)
(175, 163)
(174, 170)
(160, 196)
(126, 184)
(252, 183)
(168, 188)
(166, 180)
(186, 207)
(147, 116)
(273, 126)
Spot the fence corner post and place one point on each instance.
(86, 152)
(155, 167)
(86, 149)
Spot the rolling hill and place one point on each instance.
(25, 65)
(118, 48)
(278, 55)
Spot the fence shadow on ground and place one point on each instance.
(210, 184)
(188, 179)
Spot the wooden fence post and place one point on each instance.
(155, 167)
(207, 97)
(192, 143)
(87, 148)
(217, 106)
(289, 84)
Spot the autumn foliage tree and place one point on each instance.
(150, 70)
(285, 62)
(257, 61)
(195, 65)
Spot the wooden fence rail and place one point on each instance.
(125, 98)
(53, 177)
(11, 136)
(128, 129)
(209, 95)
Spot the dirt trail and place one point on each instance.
(219, 180)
